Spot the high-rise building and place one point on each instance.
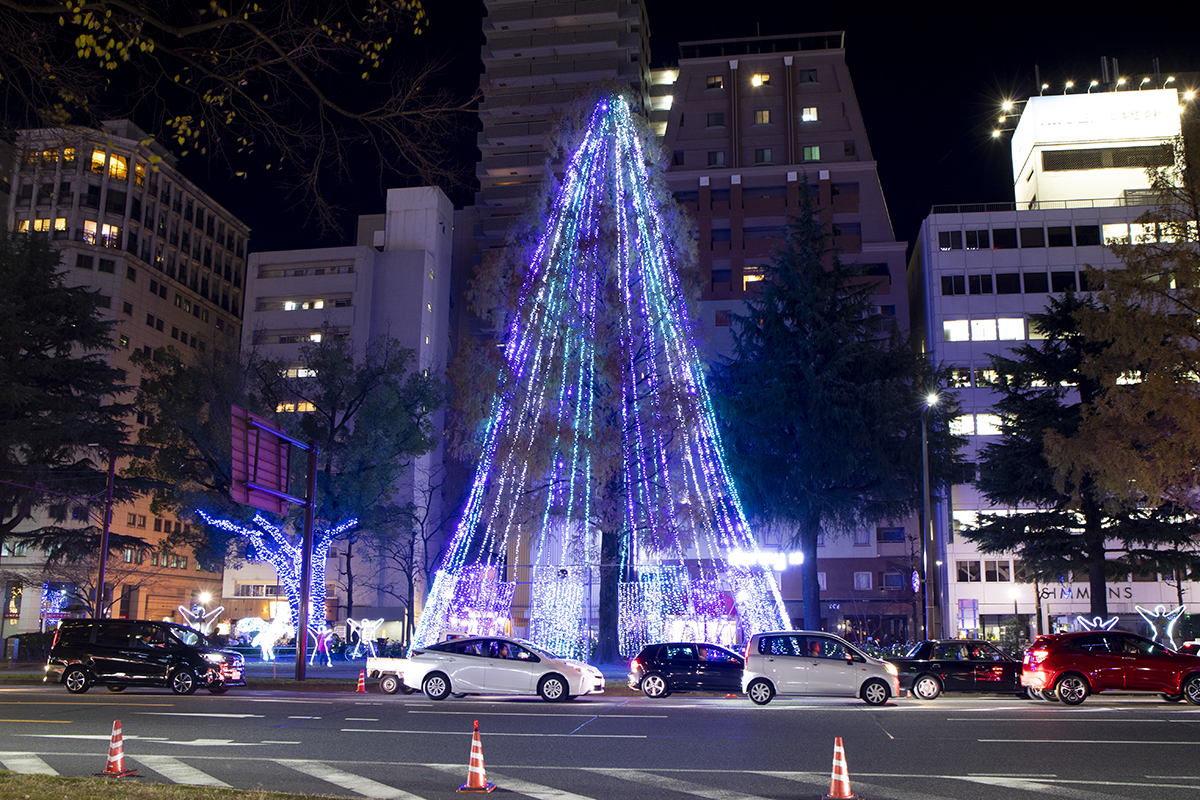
(168, 265)
(979, 271)
(744, 123)
(394, 282)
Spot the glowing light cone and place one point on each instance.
(115, 768)
(476, 775)
(362, 682)
(839, 783)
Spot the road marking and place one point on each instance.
(77, 703)
(547, 714)
(196, 714)
(303, 717)
(362, 719)
(493, 733)
(822, 779)
(284, 700)
(47, 721)
(673, 784)
(94, 737)
(508, 783)
(176, 771)
(1023, 720)
(345, 780)
(272, 741)
(26, 764)
(1075, 741)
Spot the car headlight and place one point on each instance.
(891, 668)
(214, 658)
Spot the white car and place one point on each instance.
(814, 663)
(498, 665)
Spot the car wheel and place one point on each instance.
(405, 688)
(553, 689)
(927, 687)
(436, 686)
(458, 694)
(218, 688)
(1034, 694)
(115, 688)
(875, 692)
(760, 691)
(1191, 689)
(1049, 696)
(389, 684)
(655, 685)
(77, 680)
(1072, 689)
(1171, 698)
(183, 681)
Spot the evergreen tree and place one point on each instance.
(58, 411)
(822, 402)
(1077, 521)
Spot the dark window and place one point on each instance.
(950, 240)
(91, 199)
(85, 262)
(127, 308)
(849, 149)
(1083, 282)
(889, 534)
(968, 572)
(807, 76)
(1004, 238)
(115, 202)
(677, 158)
(1036, 282)
(980, 284)
(107, 265)
(723, 318)
(1087, 235)
(1062, 282)
(716, 119)
(131, 274)
(1059, 236)
(1008, 283)
(978, 240)
(954, 284)
(1033, 237)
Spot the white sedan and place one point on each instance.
(498, 665)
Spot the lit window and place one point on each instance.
(49, 156)
(963, 425)
(750, 277)
(862, 581)
(983, 330)
(1011, 330)
(60, 223)
(288, 305)
(812, 153)
(23, 226)
(821, 580)
(429, 306)
(316, 337)
(139, 174)
(760, 79)
(98, 161)
(118, 167)
(987, 424)
(956, 330)
(762, 155)
(715, 82)
(762, 117)
(110, 235)
(808, 114)
(42, 225)
(862, 538)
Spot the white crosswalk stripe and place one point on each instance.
(176, 771)
(674, 784)
(346, 780)
(534, 790)
(26, 764)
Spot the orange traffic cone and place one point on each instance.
(116, 756)
(476, 775)
(362, 682)
(839, 783)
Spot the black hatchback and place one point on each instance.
(117, 653)
(957, 665)
(661, 669)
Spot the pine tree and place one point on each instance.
(59, 414)
(822, 402)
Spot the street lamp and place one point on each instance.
(928, 540)
(98, 608)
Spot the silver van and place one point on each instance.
(814, 663)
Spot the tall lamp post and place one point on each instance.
(928, 534)
(98, 609)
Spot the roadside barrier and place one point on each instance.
(115, 768)
(476, 775)
(839, 782)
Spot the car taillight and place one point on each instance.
(634, 666)
(1033, 658)
(57, 633)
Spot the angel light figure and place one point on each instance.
(1097, 624)
(1162, 622)
(368, 632)
(321, 635)
(196, 617)
(266, 638)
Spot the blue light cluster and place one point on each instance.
(602, 374)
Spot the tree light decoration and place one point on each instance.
(1162, 622)
(603, 347)
(1097, 624)
(199, 618)
(271, 544)
(367, 631)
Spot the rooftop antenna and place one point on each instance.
(1104, 71)
(1037, 77)
(1157, 72)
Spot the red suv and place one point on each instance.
(1074, 665)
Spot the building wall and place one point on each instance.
(128, 225)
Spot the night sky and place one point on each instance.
(928, 82)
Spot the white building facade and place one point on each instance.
(977, 274)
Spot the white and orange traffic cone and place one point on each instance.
(839, 783)
(116, 756)
(476, 775)
(362, 682)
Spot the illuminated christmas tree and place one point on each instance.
(601, 460)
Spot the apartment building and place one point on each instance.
(168, 263)
(979, 271)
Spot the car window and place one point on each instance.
(821, 647)
(718, 654)
(984, 652)
(915, 652)
(509, 651)
(189, 636)
(950, 651)
(474, 647)
(1136, 646)
(680, 652)
(150, 636)
(112, 634)
(1093, 643)
(781, 645)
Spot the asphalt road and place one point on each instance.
(683, 747)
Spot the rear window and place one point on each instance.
(1093, 643)
(680, 652)
(781, 645)
(74, 631)
(112, 634)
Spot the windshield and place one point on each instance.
(541, 651)
(190, 636)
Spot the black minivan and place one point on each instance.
(660, 669)
(117, 653)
